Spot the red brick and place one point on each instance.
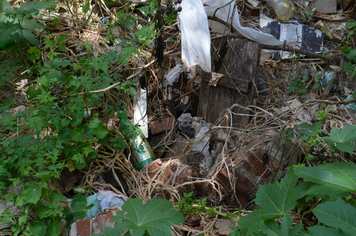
(162, 125)
(85, 227)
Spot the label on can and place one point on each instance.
(140, 150)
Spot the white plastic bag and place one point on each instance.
(224, 10)
(195, 35)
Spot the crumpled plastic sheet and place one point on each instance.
(225, 10)
(195, 35)
(110, 199)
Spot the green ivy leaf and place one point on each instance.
(79, 202)
(339, 215)
(155, 217)
(101, 131)
(343, 139)
(37, 228)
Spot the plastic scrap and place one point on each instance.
(140, 112)
(284, 9)
(327, 78)
(93, 199)
(108, 199)
(173, 75)
(195, 35)
(225, 10)
(350, 105)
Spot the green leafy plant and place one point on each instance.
(330, 182)
(297, 83)
(349, 50)
(343, 139)
(16, 25)
(153, 218)
(189, 206)
(58, 129)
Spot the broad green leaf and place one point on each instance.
(275, 200)
(79, 215)
(7, 29)
(337, 214)
(279, 198)
(79, 202)
(343, 139)
(270, 227)
(37, 228)
(59, 197)
(32, 192)
(324, 231)
(43, 211)
(30, 37)
(93, 123)
(155, 216)
(54, 228)
(352, 55)
(101, 131)
(77, 134)
(32, 24)
(78, 113)
(330, 179)
(85, 8)
(4, 6)
(38, 5)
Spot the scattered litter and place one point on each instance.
(108, 199)
(93, 199)
(140, 112)
(284, 9)
(225, 9)
(327, 78)
(195, 35)
(298, 35)
(173, 75)
(141, 152)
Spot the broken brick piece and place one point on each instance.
(160, 126)
(95, 224)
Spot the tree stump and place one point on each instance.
(238, 61)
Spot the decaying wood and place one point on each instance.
(238, 60)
